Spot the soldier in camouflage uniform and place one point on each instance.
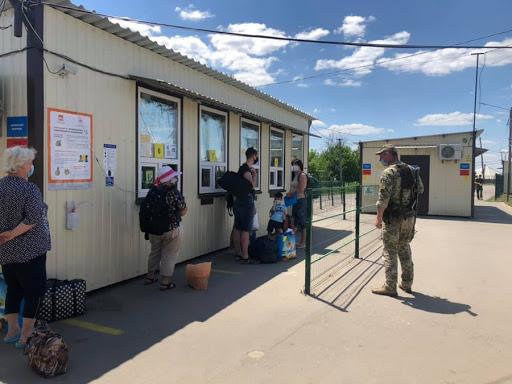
(398, 190)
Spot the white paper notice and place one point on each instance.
(109, 163)
(71, 155)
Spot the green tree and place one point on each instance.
(325, 165)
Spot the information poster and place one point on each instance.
(110, 163)
(70, 149)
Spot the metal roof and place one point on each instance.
(143, 41)
(478, 133)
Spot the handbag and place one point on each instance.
(63, 299)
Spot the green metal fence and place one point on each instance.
(340, 226)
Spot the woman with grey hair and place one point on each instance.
(24, 241)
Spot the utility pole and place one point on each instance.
(341, 162)
(482, 159)
(473, 142)
(509, 153)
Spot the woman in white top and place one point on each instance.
(299, 210)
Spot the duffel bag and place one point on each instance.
(264, 249)
(63, 299)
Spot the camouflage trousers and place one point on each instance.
(396, 238)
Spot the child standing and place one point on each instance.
(277, 215)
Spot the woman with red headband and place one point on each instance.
(165, 247)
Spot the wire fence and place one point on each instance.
(340, 230)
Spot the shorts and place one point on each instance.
(274, 226)
(243, 208)
(299, 214)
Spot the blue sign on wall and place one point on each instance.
(464, 165)
(17, 126)
(367, 166)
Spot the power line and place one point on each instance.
(495, 106)
(280, 38)
(374, 65)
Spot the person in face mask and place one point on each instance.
(24, 242)
(299, 210)
(165, 247)
(398, 190)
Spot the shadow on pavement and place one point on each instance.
(435, 304)
(145, 316)
(483, 214)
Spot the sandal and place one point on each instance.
(165, 287)
(150, 280)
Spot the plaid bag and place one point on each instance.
(63, 299)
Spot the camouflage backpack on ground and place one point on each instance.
(47, 353)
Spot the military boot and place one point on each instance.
(384, 291)
(405, 288)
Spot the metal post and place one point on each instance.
(308, 250)
(473, 144)
(358, 217)
(344, 200)
(332, 195)
(321, 192)
(509, 154)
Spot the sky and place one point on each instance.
(431, 92)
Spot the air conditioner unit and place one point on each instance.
(450, 151)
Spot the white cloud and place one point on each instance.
(192, 14)
(318, 123)
(314, 34)
(354, 25)
(343, 83)
(303, 85)
(190, 46)
(450, 119)
(251, 46)
(390, 130)
(351, 130)
(446, 61)
(364, 56)
(143, 29)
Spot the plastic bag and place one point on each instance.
(286, 245)
(198, 275)
(255, 223)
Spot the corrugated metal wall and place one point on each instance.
(449, 193)
(108, 246)
(13, 82)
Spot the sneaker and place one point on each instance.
(405, 288)
(384, 291)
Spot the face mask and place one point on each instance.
(384, 162)
(31, 172)
(256, 160)
(295, 168)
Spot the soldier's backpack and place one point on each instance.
(47, 353)
(154, 212)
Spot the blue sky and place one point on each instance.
(426, 94)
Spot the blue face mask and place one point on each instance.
(384, 163)
(31, 172)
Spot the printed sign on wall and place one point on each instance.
(367, 169)
(17, 126)
(464, 169)
(70, 148)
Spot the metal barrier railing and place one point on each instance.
(350, 203)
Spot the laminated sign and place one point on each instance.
(464, 169)
(367, 169)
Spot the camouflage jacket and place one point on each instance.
(389, 188)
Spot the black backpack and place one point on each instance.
(264, 249)
(154, 212)
(235, 184)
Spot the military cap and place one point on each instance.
(387, 148)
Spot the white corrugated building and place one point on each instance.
(118, 88)
(446, 164)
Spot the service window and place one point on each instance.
(213, 126)
(158, 136)
(250, 136)
(297, 147)
(276, 169)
